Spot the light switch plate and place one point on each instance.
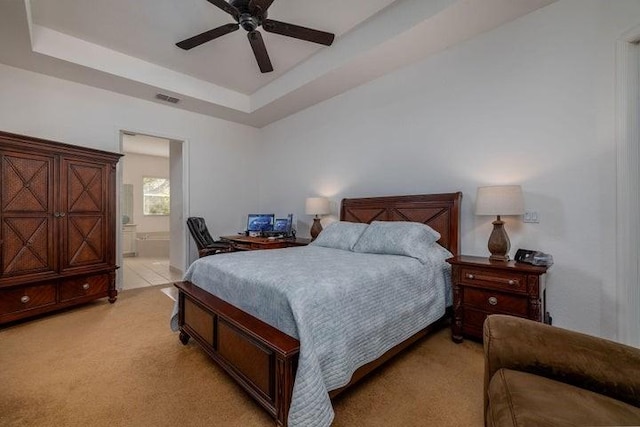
(531, 217)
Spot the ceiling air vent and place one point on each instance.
(163, 97)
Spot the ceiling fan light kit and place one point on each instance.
(251, 14)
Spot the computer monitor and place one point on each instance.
(283, 225)
(260, 222)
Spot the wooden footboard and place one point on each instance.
(262, 359)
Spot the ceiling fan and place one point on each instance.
(250, 14)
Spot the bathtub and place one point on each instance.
(153, 244)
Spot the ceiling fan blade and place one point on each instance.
(298, 32)
(222, 4)
(194, 41)
(259, 7)
(260, 51)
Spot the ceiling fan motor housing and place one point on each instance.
(248, 22)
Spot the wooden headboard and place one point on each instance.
(439, 211)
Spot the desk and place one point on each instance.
(246, 243)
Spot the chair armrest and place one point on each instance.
(588, 362)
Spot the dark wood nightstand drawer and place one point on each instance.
(494, 279)
(27, 298)
(84, 286)
(496, 302)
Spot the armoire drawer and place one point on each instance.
(14, 300)
(79, 287)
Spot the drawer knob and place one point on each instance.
(493, 300)
(512, 282)
(85, 286)
(470, 276)
(25, 299)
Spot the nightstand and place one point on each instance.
(482, 287)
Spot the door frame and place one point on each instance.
(184, 213)
(628, 179)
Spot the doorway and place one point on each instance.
(151, 203)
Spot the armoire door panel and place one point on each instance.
(27, 183)
(26, 214)
(26, 245)
(85, 237)
(85, 187)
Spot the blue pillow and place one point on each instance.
(340, 235)
(398, 238)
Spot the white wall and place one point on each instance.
(134, 168)
(529, 103)
(222, 179)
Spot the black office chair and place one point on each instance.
(205, 243)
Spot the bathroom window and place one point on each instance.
(156, 195)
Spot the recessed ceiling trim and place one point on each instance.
(428, 37)
(387, 24)
(58, 45)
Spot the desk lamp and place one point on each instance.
(317, 206)
(499, 200)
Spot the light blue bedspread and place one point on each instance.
(345, 308)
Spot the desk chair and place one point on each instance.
(205, 243)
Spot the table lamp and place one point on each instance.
(317, 206)
(499, 200)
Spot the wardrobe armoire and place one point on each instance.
(57, 226)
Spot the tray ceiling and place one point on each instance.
(129, 47)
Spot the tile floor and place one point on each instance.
(140, 272)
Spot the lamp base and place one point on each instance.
(316, 228)
(499, 243)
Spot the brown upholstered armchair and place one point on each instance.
(541, 375)
(205, 243)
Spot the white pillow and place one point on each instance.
(340, 235)
(412, 239)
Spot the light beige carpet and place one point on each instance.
(120, 365)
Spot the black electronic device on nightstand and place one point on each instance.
(533, 257)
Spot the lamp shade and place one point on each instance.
(317, 206)
(500, 200)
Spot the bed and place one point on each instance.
(264, 356)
